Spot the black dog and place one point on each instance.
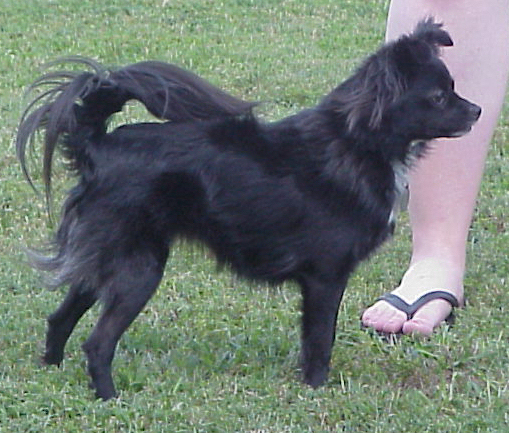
(302, 199)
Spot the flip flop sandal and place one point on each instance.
(411, 309)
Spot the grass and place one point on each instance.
(211, 353)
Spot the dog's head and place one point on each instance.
(427, 107)
(405, 89)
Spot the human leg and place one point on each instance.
(443, 188)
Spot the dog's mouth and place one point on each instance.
(474, 113)
(461, 132)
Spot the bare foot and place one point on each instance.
(421, 277)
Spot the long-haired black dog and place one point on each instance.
(303, 199)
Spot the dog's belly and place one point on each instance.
(280, 238)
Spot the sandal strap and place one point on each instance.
(411, 309)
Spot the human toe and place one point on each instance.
(384, 318)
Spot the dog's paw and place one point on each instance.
(51, 358)
(315, 376)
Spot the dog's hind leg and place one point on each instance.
(62, 322)
(133, 284)
(320, 308)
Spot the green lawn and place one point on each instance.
(211, 353)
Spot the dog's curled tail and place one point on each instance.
(72, 101)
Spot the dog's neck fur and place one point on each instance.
(402, 160)
(325, 138)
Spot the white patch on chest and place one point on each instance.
(401, 192)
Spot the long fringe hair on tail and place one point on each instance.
(167, 91)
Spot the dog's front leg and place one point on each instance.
(321, 301)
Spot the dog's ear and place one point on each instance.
(364, 97)
(411, 51)
(432, 33)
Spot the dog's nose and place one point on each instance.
(476, 111)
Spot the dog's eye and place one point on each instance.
(439, 99)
